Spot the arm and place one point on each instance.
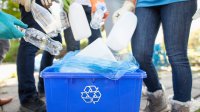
(7, 26)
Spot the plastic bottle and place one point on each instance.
(45, 19)
(60, 15)
(122, 32)
(42, 41)
(78, 21)
(64, 20)
(97, 18)
(63, 17)
(55, 11)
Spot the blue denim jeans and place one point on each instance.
(69, 38)
(26, 59)
(176, 20)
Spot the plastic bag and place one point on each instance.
(109, 69)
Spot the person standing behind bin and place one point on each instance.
(28, 95)
(72, 44)
(176, 18)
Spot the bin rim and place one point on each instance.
(48, 74)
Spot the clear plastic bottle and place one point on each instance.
(64, 20)
(45, 19)
(42, 41)
(97, 18)
(60, 15)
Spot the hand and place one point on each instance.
(7, 26)
(127, 6)
(25, 3)
(46, 3)
(66, 4)
(95, 4)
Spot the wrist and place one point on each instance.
(129, 5)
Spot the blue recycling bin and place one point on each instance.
(89, 92)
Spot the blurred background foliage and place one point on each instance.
(12, 8)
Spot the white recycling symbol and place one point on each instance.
(91, 94)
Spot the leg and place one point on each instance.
(142, 48)
(25, 62)
(47, 60)
(176, 19)
(25, 69)
(72, 44)
(143, 38)
(95, 33)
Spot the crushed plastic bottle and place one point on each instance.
(42, 41)
(97, 18)
(45, 19)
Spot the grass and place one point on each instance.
(198, 110)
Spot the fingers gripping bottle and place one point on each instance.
(42, 41)
(45, 19)
(97, 18)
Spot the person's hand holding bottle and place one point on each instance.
(129, 5)
(8, 25)
(95, 4)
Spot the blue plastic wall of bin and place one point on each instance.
(87, 92)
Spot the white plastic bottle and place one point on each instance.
(122, 32)
(45, 19)
(97, 18)
(42, 41)
(78, 21)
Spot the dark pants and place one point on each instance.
(25, 61)
(69, 38)
(176, 20)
